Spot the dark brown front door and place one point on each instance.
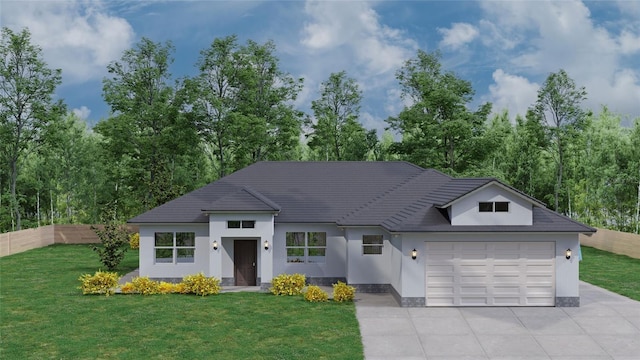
(244, 259)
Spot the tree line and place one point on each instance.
(166, 136)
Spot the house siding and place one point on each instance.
(335, 255)
(149, 268)
(465, 211)
(368, 269)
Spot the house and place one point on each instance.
(425, 237)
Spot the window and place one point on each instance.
(307, 247)
(241, 224)
(486, 207)
(498, 206)
(175, 248)
(372, 244)
(502, 206)
(248, 224)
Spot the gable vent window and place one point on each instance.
(501, 206)
(490, 206)
(241, 224)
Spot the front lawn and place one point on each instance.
(44, 316)
(617, 273)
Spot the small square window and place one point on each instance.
(372, 244)
(233, 224)
(485, 207)
(502, 206)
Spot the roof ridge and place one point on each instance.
(261, 197)
(380, 196)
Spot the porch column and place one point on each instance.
(215, 255)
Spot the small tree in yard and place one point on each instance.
(114, 239)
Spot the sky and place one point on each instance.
(505, 48)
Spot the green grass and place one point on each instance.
(617, 273)
(44, 316)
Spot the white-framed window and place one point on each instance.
(241, 224)
(491, 206)
(372, 244)
(306, 247)
(175, 247)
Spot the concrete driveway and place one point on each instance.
(605, 326)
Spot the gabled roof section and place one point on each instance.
(396, 199)
(428, 218)
(243, 200)
(457, 189)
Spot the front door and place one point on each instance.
(244, 260)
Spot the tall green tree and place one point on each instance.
(27, 107)
(147, 134)
(337, 134)
(559, 104)
(438, 130)
(213, 96)
(242, 105)
(267, 122)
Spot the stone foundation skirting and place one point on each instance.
(372, 288)
(569, 301)
(169, 280)
(324, 281)
(407, 301)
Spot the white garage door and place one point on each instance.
(490, 273)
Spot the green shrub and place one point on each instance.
(200, 285)
(134, 241)
(101, 282)
(315, 294)
(114, 238)
(287, 284)
(343, 292)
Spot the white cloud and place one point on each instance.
(512, 92)
(458, 35)
(553, 35)
(353, 28)
(83, 112)
(78, 37)
(629, 42)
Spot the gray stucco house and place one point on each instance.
(425, 237)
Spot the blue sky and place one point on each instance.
(504, 48)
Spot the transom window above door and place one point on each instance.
(241, 224)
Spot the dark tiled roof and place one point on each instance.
(397, 196)
(245, 199)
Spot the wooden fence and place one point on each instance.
(613, 241)
(23, 240)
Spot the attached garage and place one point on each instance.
(490, 273)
